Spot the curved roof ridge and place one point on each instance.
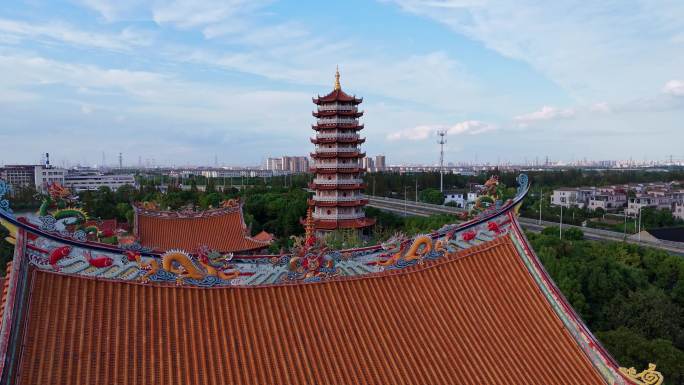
(425, 266)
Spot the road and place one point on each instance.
(412, 208)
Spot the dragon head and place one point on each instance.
(394, 242)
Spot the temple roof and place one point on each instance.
(337, 96)
(474, 318)
(467, 303)
(219, 229)
(264, 236)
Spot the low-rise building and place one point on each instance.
(463, 200)
(639, 203)
(84, 180)
(456, 198)
(608, 201)
(45, 175)
(572, 197)
(19, 175)
(678, 211)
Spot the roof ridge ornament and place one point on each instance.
(337, 78)
(5, 191)
(647, 377)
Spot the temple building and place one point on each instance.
(222, 229)
(338, 200)
(469, 303)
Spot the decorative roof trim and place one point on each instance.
(600, 358)
(186, 214)
(60, 238)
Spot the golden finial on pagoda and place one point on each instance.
(337, 79)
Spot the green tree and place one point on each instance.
(6, 250)
(631, 349)
(432, 196)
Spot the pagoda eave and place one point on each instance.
(354, 203)
(318, 170)
(321, 224)
(323, 155)
(345, 126)
(338, 140)
(339, 97)
(354, 114)
(355, 186)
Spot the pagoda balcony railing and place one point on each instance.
(337, 121)
(337, 107)
(338, 136)
(338, 203)
(337, 181)
(336, 165)
(336, 149)
(339, 199)
(338, 216)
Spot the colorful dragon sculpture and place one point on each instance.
(309, 259)
(230, 203)
(398, 249)
(181, 264)
(62, 205)
(492, 191)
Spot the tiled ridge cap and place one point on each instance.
(473, 251)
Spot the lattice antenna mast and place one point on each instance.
(442, 141)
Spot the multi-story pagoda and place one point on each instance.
(338, 200)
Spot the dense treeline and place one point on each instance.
(273, 209)
(631, 297)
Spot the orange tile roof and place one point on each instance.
(337, 96)
(223, 230)
(476, 318)
(264, 236)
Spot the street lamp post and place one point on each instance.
(624, 232)
(560, 228)
(416, 189)
(405, 193)
(541, 199)
(639, 234)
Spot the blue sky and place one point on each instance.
(183, 81)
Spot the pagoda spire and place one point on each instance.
(337, 79)
(309, 227)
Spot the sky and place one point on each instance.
(188, 82)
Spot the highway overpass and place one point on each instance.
(412, 208)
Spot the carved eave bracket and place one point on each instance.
(647, 377)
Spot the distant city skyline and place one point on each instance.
(211, 82)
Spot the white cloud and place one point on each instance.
(422, 132)
(674, 87)
(414, 133)
(65, 33)
(546, 113)
(588, 48)
(112, 10)
(186, 14)
(17, 96)
(86, 109)
(601, 107)
(471, 127)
